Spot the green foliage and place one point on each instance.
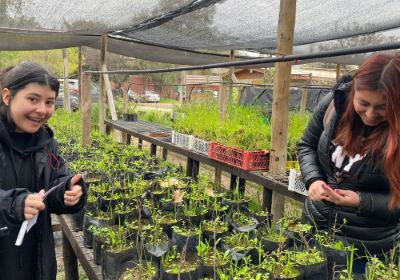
(50, 59)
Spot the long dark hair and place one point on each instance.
(17, 77)
(380, 73)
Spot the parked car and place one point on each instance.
(73, 85)
(151, 96)
(74, 101)
(134, 96)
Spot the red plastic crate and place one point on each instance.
(246, 160)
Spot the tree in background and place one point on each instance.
(51, 59)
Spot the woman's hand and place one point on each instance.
(73, 195)
(33, 204)
(316, 192)
(341, 197)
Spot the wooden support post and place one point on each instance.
(86, 107)
(231, 74)
(222, 100)
(70, 260)
(125, 102)
(217, 177)
(108, 130)
(189, 167)
(127, 139)
(164, 153)
(195, 170)
(337, 72)
(79, 75)
(303, 102)
(67, 100)
(153, 150)
(242, 185)
(233, 182)
(280, 104)
(140, 144)
(267, 199)
(102, 94)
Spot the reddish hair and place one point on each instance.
(381, 73)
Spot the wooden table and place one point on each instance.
(74, 250)
(145, 131)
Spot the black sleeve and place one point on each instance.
(310, 166)
(55, 201)
(376, 205)
(12, 203)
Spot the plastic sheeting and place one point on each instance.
(175, 25)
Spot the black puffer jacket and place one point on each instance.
(31, 168)
(372, 225)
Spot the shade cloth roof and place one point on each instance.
(173, 30)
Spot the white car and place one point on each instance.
(151, 96)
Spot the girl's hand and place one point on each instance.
(33, 204)
(73, 195)
(342, 197)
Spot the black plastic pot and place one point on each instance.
(190, 275)
(211, 236)
(157, 251)
(210, 271)
(77, 220)
(194, 220)
(167, 227)
(336, 259)
(87, 222)
(112, 262)
(238, 255)
(315, 271)
(120, 218)
(98, 248)
(269, 245)
(131, 117)
(246, 228)
(132, 264)
(190, 241)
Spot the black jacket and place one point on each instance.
(24, 169)
(372, 225)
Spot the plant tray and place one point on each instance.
(246, 160)
(183, 140)
(200, 146)
(296, 183)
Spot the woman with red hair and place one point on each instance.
(350, 157)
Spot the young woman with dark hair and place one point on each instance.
(351, 163)
(30, 164)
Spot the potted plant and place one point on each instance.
(175, 265)
(119, 250)
(140, 271)
(280, 265)
(186, 238)
(377, 269)
(214, 229)
(213, 259)
(96, 219)
(239, 245)
(240, 222)
(272, 238)
(156, 242)
(312, 263)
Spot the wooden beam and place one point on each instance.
(86, 105)
(102, 94)
(222, 101)
(67, 101)
(110, 96)
(280, 104)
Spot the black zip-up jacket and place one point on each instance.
(372, 225)
(25, 169)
